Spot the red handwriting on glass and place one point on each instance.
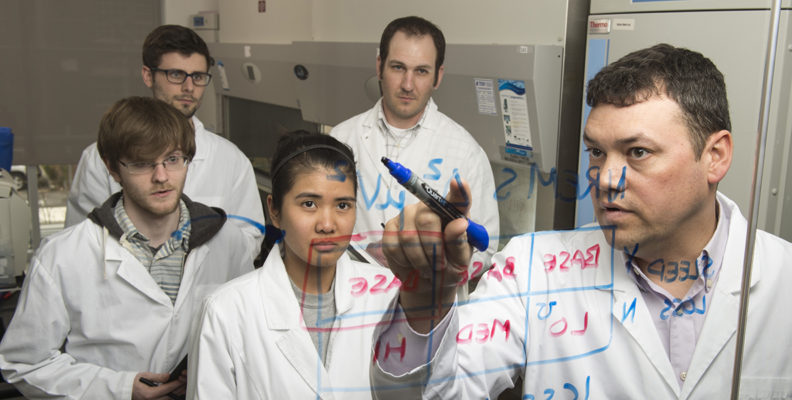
(564, 260)
(507, 272)
(388, 349)
(380, 284)
(482, 332)
(559, 327)
(495, 272)
(477, 266)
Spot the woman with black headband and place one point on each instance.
(301, 326)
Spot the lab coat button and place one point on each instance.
(679, 311)
(709, 283)
(683, 375)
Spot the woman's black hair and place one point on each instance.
(301, 151)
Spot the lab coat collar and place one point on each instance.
(205, 222)
(343, 289)
(202, 147)
(639, 323)
(722, 318)
(294, 342)
(304, 359)
(119, 261)
(274, 279)
(730, 279)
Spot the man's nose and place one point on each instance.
(188, 85)
(160, 174)
(407, 83)
(613, 176)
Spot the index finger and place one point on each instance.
(459, 195)
(454, 235)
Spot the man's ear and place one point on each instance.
(718, 155)
(148, 76)
(379, 67)
(440, 72)
(273, 213)
(114, 174)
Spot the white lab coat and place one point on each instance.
(90, 316)
(252, 342)
(616, 353)
(219, 175)
(441, 148)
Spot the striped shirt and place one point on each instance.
(165, 264)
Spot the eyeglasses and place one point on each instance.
(172, 163)
(178, 76)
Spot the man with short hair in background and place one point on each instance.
(176, 64)
(406, 126)
(106, 309)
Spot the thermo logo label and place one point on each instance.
(599, 26)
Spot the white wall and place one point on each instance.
(284, 21)
(178, 11)
(462, 21)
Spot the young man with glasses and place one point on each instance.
(176, 64)
(106, 309)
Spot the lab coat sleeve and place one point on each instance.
(31, 354)
(404, 377)
(482, 351)
(90, 187)
(245, 190)
(211, 372)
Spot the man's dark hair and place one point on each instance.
(173, 38)
(685, 76)
(413, 26)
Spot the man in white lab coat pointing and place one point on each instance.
(643, 305)
(106, 309)
(176, 64)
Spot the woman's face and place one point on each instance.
(317, 216)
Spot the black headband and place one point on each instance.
(306, 149)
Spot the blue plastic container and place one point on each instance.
(6, 148)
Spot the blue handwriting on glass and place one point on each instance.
(571, 178)
(550, 393)
(688, 307)
(398, 203)
(672, 270)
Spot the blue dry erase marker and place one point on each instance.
(477, 235)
